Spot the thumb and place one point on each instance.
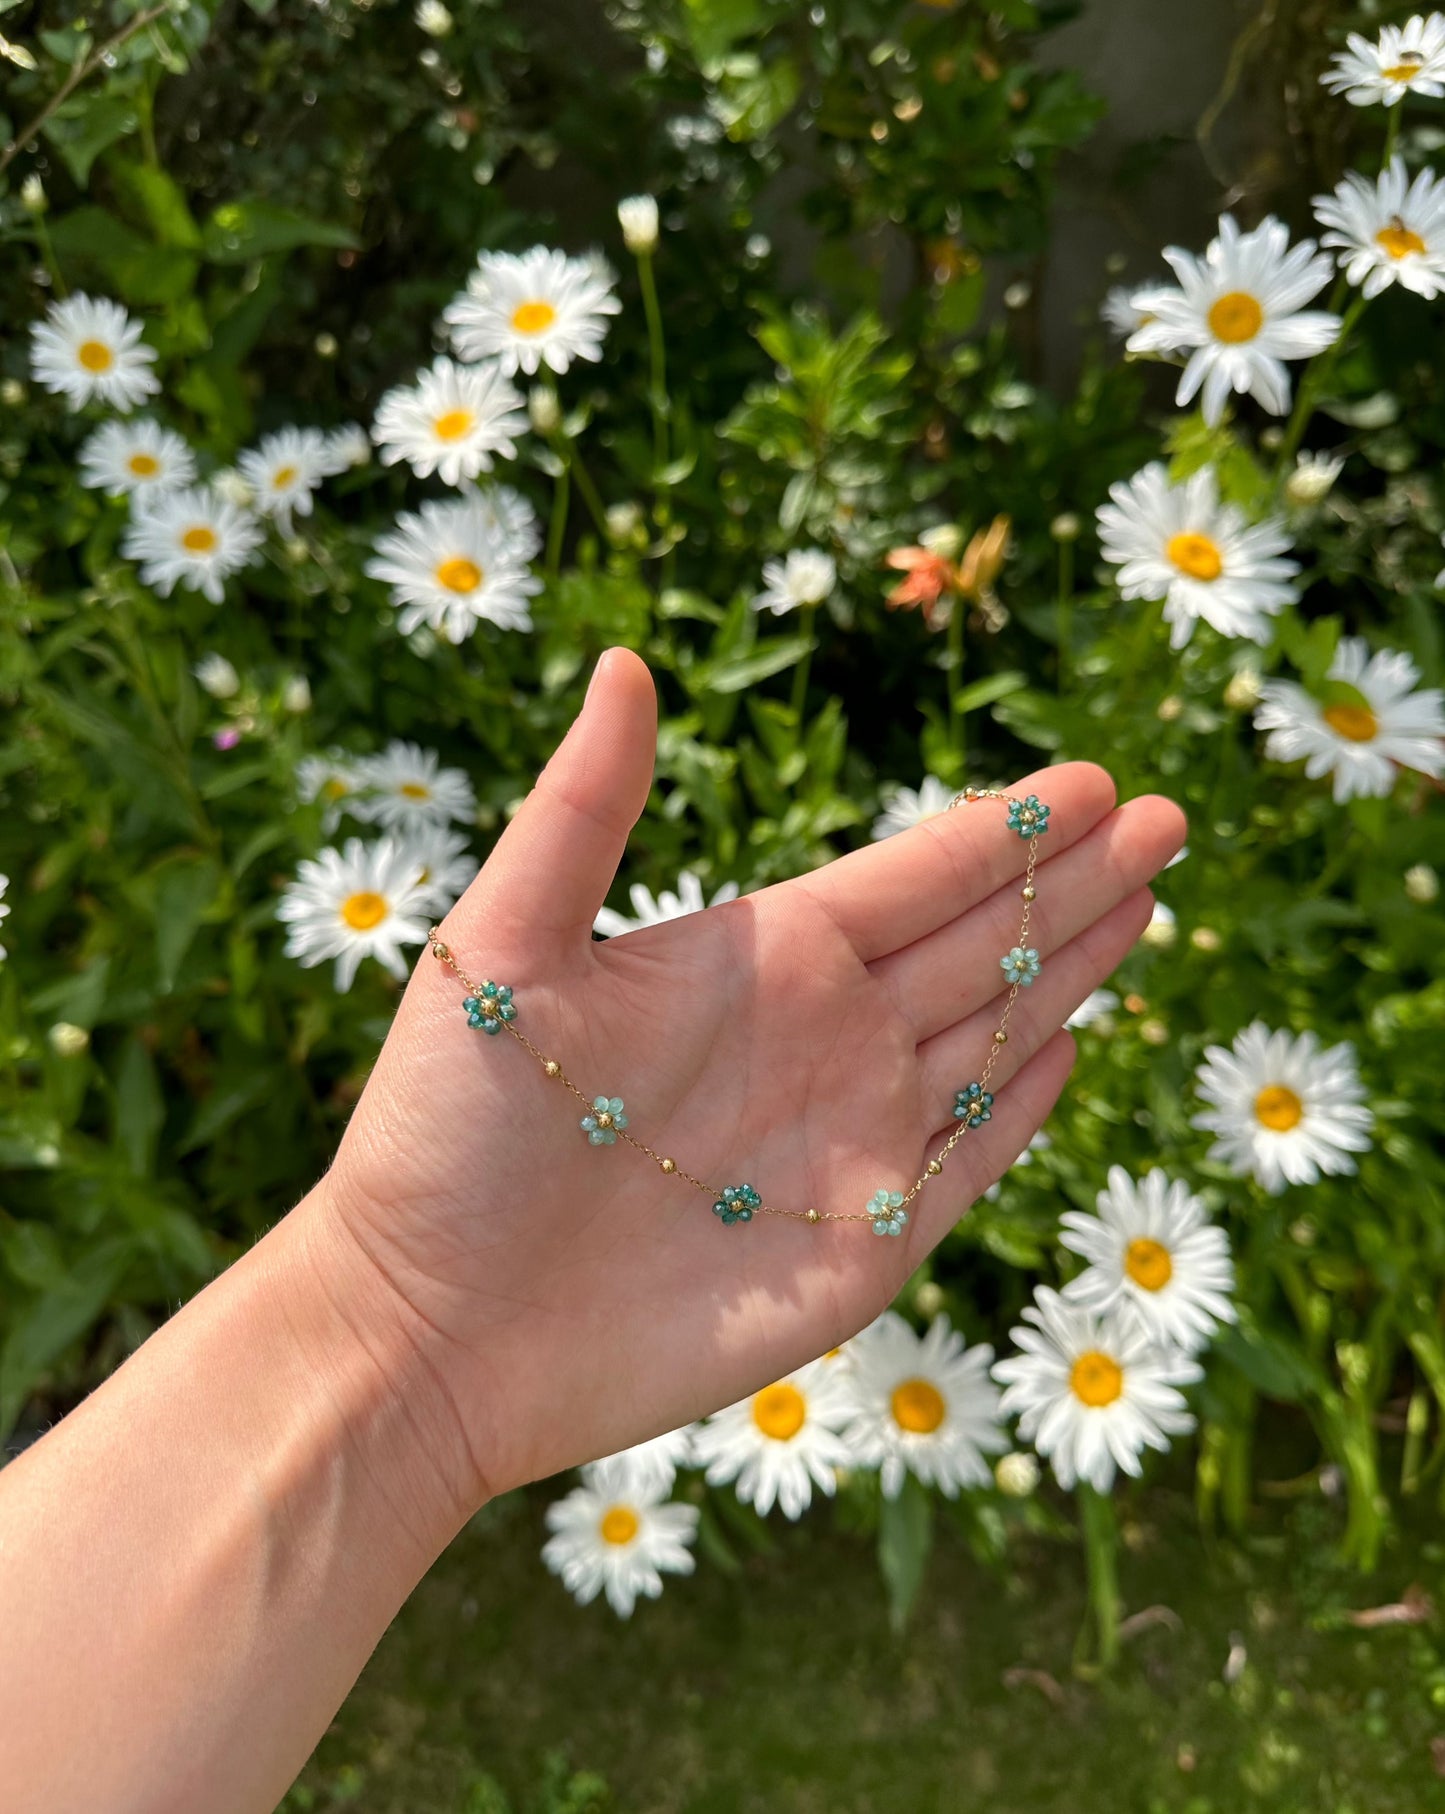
(553, 865)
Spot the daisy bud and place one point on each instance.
(12, 393)
(1205, 938)
(32, 194)
(1154, 1032)
(326, 346)
(544, 409)
(1017, 1474)
(944, 540)
(1169, 708)
(296, 694)
(1065, 527)
(217, 676)
(67, 1040)
(1018, 295)
(1313, 479)
(637, 215)
(1422, 884)
(929, 1299)
(1244, 690)
(623, 521)
(433, 18)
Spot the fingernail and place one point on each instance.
(602, 661)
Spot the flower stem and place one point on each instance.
(557, 524)
(1065, 614)
(955, 675)
(805, 662)
(657, 388)
(1311, 384)
(590, 495)
(1101, 1547)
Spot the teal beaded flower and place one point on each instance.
(887, 1211)
(737, 1204)
(1029, 817)
(489, 1007)
(1020, 966)
(602, 1125)
(972, 1105)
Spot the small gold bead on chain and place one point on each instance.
(668, 1165)
(551, 1067)
(813, 1216)
(1028, 893)
(934, 1168)
(604, 1119)
(1000, 1038)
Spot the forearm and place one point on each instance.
(196, 1563)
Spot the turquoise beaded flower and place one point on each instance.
(1029, 818)
(887, 1211)
(602, 1125)
(972, 1105)
(1020, 966)
(737, 1204)
(489, 1007)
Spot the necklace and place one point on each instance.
(490, 1009)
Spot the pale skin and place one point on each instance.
(197, 1561)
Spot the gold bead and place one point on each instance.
(551, 1067)
(604, 1119)
(1000, 1038)
(442, 952)
(813, 1216)
(1028, 893)
(668, 1165)
(934, 1168)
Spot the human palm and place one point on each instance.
(807, 1039)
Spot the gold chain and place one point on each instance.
(553, 1069)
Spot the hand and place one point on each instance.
(807, 1039)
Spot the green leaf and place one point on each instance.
(239, 231)
(85, 126)
(1270, 1364)
(990, 688)
(905, 1536)
(184, 890)
(733, 675)
(92, 233)
(45, 1328)
(139, 1108)
(162, 202)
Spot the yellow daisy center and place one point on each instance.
(1278, 1108)
(283, 476)
(414, 790)
(1235, 317)
(143, 465)
(1409, 66)
(199, 539)
(619, 1524)
(364, 910)
(918, 1406)
(459, 574)
(533, 317)
(779, 1411)
(1397, 240)
(1196, 555)
(453, 425)
(1148, 1264)
(95, 355)
(334, 789)
(1096, 1379)
(1355, 723)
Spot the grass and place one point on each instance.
(780, 1690)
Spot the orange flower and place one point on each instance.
(930, 576)
(983, 559)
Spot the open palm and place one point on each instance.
(807, 1039)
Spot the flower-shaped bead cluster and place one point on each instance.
(489, 1007)
(602, 1125)
(1029, 817)
(737, 1204)
(889, 1215)
(1020, 965)
(972, 1105)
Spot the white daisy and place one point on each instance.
(445, 863)
(1313, 478)
(539, 308)
(407, 788)
(136, 457)
(1375, 724)
(1405, 59)
(1120, 312)
(217, 676)
(637, 216)
(454, 421)
(4, 910)
(1284, 1110)
(1153, 1251)
(283, 470)
(781, 1442)
(363, 901)
(332, 779)
(1202, 557)
(511, 515)
(650, 1466)
(88, 349)
(1095, 1005)
(1239, 312)
(1388, 230)
(648, 910)
(1091, 1393)
(609, 1537)
(346, 447)
(452, 566)
(805, 577)
(922, 1405)
(191, 538)
(904, 807)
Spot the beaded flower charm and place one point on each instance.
(887, 1211)
(737, 1204)
(489, 1007)
(972, 1105)
(1029, 818)
(602, 1124)
(1021, 965)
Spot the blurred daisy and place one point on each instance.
(539, 308)
(407, 788)
(136, 457)
(345, 447)
(1091, 1393)
(922, 1405)
(4, 910)
(805, 577)
(779, 1444)
(1093, 1007)
(191, 538)
(1202, 557)
(88, 349)
(1040, 1143)
(363, 901)
(446, 866)
(1405, 59)
(1120, 312)
(451, 567)
(1388, 230)
(217, 676)
(332, 779)
(1313, 478)
(648, 910)
(637, 216)
(283, 470)
(454, 421)
(1239, 313)
(511, 516)
(610, 1537)
(1153, 1251)
(904, 807)
(1284, 1110)
(1375, 724)
(650, 1466)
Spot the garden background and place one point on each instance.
(872, 313)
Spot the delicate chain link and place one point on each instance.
(553, 1069)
